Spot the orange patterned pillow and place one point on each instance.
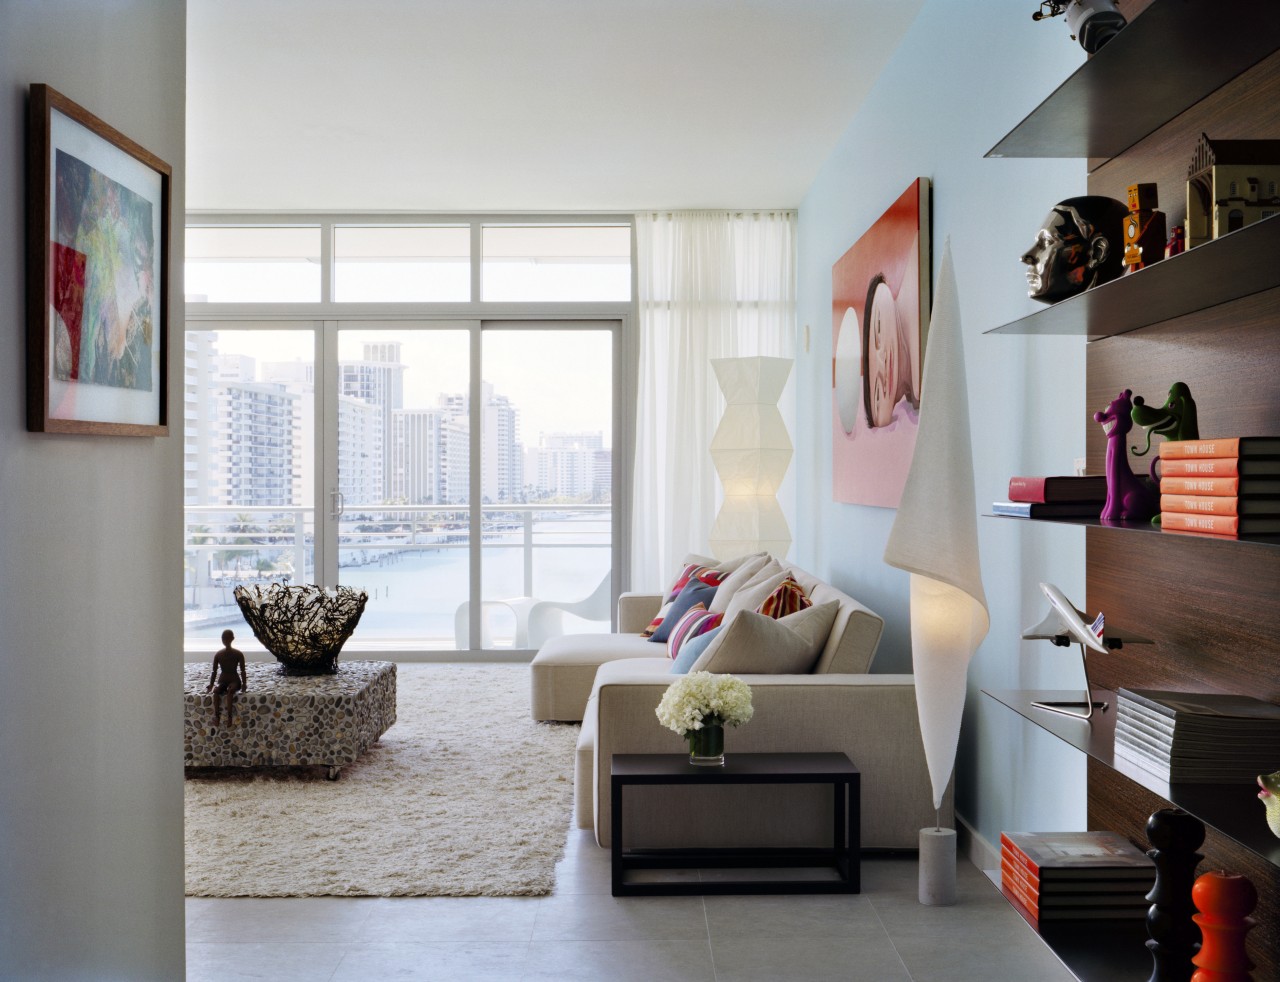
(788, 598)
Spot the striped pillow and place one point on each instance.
(693, 571)
(697, 620)
(657, 621)
(788, 598)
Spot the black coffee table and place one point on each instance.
(834, 769)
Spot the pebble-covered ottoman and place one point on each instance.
(325, 720)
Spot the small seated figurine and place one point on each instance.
(1079, 245)
(228, 676)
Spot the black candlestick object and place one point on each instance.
(1175, 836)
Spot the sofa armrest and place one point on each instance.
(636, 610)
(872, 718)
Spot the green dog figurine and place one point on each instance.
(1270, 795)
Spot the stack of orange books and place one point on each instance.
(1224, 487)
(1075, 875)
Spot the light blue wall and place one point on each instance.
(91, 881)
(963, 76)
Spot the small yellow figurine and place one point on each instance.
(230, 663)
(1270, 795)
(1144, 240)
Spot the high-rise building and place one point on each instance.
(239, 431)
(573, 465)
(361, 477)
(377, 379)
(198, 405)
(298, 379)
(501, 453)
(253, 444)
(418, 456)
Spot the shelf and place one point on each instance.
(1163, 63)
(1093, 951)
(1146, 528)
(1236, 265)
(1231, 809)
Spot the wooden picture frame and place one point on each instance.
(97, 275)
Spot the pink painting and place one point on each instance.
(879, 320)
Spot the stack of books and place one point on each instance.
(1197, 737)
(1223, 487)
(1062, 876)
(1054, 497)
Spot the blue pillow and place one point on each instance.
(694, 592)
(690, 650)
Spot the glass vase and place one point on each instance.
(706, 746)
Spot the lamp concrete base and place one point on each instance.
(938, 867)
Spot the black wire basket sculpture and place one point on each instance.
(303, 626)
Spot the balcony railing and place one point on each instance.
(413, 560)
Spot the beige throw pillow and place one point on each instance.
(755, 591)
(730, 565)
(753, 644)
(736, 580)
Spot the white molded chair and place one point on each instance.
(517, 606)
(546, 617)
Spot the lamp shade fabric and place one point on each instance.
(935, 539)
(751, 450)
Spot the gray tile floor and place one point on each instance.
(580, 932)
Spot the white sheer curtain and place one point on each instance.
(711, 285)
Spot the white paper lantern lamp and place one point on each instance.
(751, 451)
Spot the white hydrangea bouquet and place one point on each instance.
(699, 705)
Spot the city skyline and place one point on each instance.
(251, 435)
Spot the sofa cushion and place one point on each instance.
(657, 619)
(736, 579)
(563, 670)
(737, 562)
(692, 650)
(787, 599)
(691, 572)
(755, 644)
(753, 592)
(694, 593)
(696, 622)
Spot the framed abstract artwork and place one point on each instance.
(879, 324)
(97, 275)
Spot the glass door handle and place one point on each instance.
(337, 504)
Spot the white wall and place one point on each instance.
(963, 76)
(90, 566)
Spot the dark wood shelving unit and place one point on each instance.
(1228, 268)
(1232, 809)
(1146, 528)
(1160, 65)
(1135, 110)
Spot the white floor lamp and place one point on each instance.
(751, 451)
(935, 538)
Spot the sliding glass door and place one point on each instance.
(354, 452)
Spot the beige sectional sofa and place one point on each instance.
(613, 683)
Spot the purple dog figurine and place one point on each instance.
(1128, 496)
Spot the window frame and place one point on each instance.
(535, 314)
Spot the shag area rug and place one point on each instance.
(464, 796)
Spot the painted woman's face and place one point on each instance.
(882, 355)
(1056, 261)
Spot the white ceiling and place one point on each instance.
(523, 105)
